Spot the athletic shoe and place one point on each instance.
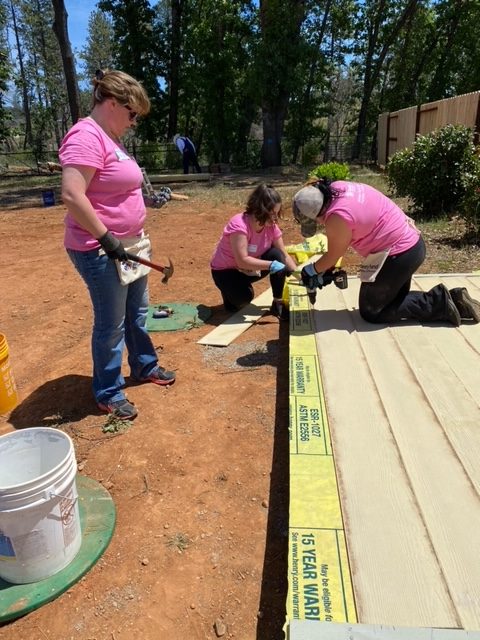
(160, 376)
(121, 409)
(467, 306)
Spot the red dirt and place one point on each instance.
(206, 459)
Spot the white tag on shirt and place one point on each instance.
(121, 155)
(252, 248)
(372, 264)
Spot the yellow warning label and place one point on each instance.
(304, 376)
(319, 582)
(309, 433)
(298, 299)
(320, 585)
(303, 344)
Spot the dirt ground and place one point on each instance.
(200, 478)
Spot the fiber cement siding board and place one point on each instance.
(406, 459)
(308, 630)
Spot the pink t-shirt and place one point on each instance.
(115, 190)
(376, 222)
(258, 241)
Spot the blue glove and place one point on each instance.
(310, 278)
(276, 266)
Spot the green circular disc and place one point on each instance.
(181, 316)
(97, 519)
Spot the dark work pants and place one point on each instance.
(236, 287)
(389, 298)
(189, 157)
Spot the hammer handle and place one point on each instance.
(144, 261)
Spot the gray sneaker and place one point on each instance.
(121, 409)
(466, 305)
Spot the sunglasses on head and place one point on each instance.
(131, 113)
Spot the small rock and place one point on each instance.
(192, 606)
(220, 628)
(107, 484)
(81, 466)
(265, 504)
(145, 561)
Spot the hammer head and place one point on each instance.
(167, 271)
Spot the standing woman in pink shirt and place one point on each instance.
(358, 216)
(102, 190)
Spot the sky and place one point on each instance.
(78, 15)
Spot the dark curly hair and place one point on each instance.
(262, 201)
(325, 186)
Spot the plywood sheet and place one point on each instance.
(239, 322)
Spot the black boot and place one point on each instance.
(468, 308)
(451, 313)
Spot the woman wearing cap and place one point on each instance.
(357, 215)
(102, 190)
(251, 247)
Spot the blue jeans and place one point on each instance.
(120, 316)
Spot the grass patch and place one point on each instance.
(179, 541)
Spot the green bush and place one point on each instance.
(469, 207)
(331, 171)
(431, 172)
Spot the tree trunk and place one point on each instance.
(373, 67)
(175, 48)
(273, 119)
(61, 31)
(28, 141)
(280, 23)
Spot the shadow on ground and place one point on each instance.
(65, 399)
(274, 588)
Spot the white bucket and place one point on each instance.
(39, 518)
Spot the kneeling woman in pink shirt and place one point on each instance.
(251, 247)
(358, 216)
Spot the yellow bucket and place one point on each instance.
(8, 389)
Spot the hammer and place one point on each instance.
(167, 270)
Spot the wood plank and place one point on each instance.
(472, 284)
(396, 576)
(401, 360)
(311, 630)
(180, 177)
(239, 322)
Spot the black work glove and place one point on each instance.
(113, 247)
(310, 278)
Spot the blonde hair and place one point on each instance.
(125, 89)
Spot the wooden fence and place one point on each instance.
(398, 129)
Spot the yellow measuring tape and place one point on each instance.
(319, 582)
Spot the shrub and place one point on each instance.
(469, 207)
(331, 171)
(430, 173)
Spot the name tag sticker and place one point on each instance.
(121, 155)
(252, 248)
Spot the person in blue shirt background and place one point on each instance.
(188, 151)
